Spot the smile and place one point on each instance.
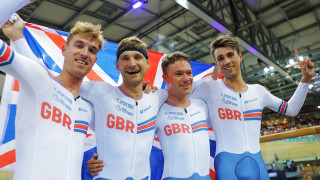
(133, 72)
(81, 62)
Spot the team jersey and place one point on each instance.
(124, 128)
(8, 7)
(50, 126)
(236, 121)
(184, 139)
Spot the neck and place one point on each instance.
(133, 91)
(71, 83)
(180, 101)
(237, 83)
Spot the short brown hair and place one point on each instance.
(172, 58)
(89, 30)
(225, 41)
(132, 43)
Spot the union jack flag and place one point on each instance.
(46, 44)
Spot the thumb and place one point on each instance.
(95, 156)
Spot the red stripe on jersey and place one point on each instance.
(7, 158)
(152, 123)
(212, 174)
(283, 107)
(80, 126)
(15, 85)
(6, 54)
(199, 126)
(252, 115)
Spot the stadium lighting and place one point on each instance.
(291, 61)
(310, 86)
(266, 69)
(136, 5)
(271, 68)
(300, 58)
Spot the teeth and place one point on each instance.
(81, 62)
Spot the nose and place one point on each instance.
(186, 78)
(132, 63)
(84, 53)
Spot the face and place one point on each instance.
(179, 78)
(132, 66)
(228, 60)
(80, 55)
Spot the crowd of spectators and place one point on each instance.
(272, 127)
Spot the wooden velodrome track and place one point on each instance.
(290, 150)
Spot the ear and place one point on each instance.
(148, 63)
(240, 56)
(64, 49)
(117, 65)
(165, 78)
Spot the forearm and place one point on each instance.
(297, 99)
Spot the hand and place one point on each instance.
(14, 30)
(216, 72)
(95, 165)
(147, 88)
(306, 67)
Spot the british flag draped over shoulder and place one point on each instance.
(46, 44)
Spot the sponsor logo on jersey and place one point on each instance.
(146, 109)
(227, 99)
(249, 101)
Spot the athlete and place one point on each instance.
(125, 116)
(52, 119)
(235, 110)
(182, 124)
(8, 7)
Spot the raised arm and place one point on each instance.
(293, 106)
(8, 7)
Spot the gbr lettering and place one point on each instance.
(55, 114)
(229, 114)
(119, 123)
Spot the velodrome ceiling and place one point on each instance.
(269, 30)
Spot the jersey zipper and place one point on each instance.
(70, 157)
(131, 170)
(243, 125)
(195, 155)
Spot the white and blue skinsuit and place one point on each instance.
(236, 121)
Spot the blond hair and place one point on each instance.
(225, 41)
(89, 30)
(171, 58)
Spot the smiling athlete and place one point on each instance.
(235, 110)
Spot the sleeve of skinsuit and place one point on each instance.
(21, 67)
(8, 7)
(293, 106)
(199, 87)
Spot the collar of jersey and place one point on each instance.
(171, 104)
(234, 89)
(58, 81)
(128, 95)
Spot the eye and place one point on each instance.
(93, 51)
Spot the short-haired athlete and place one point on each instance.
(181, 125)
(52, 119)
(125, 116)
(235, 110)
